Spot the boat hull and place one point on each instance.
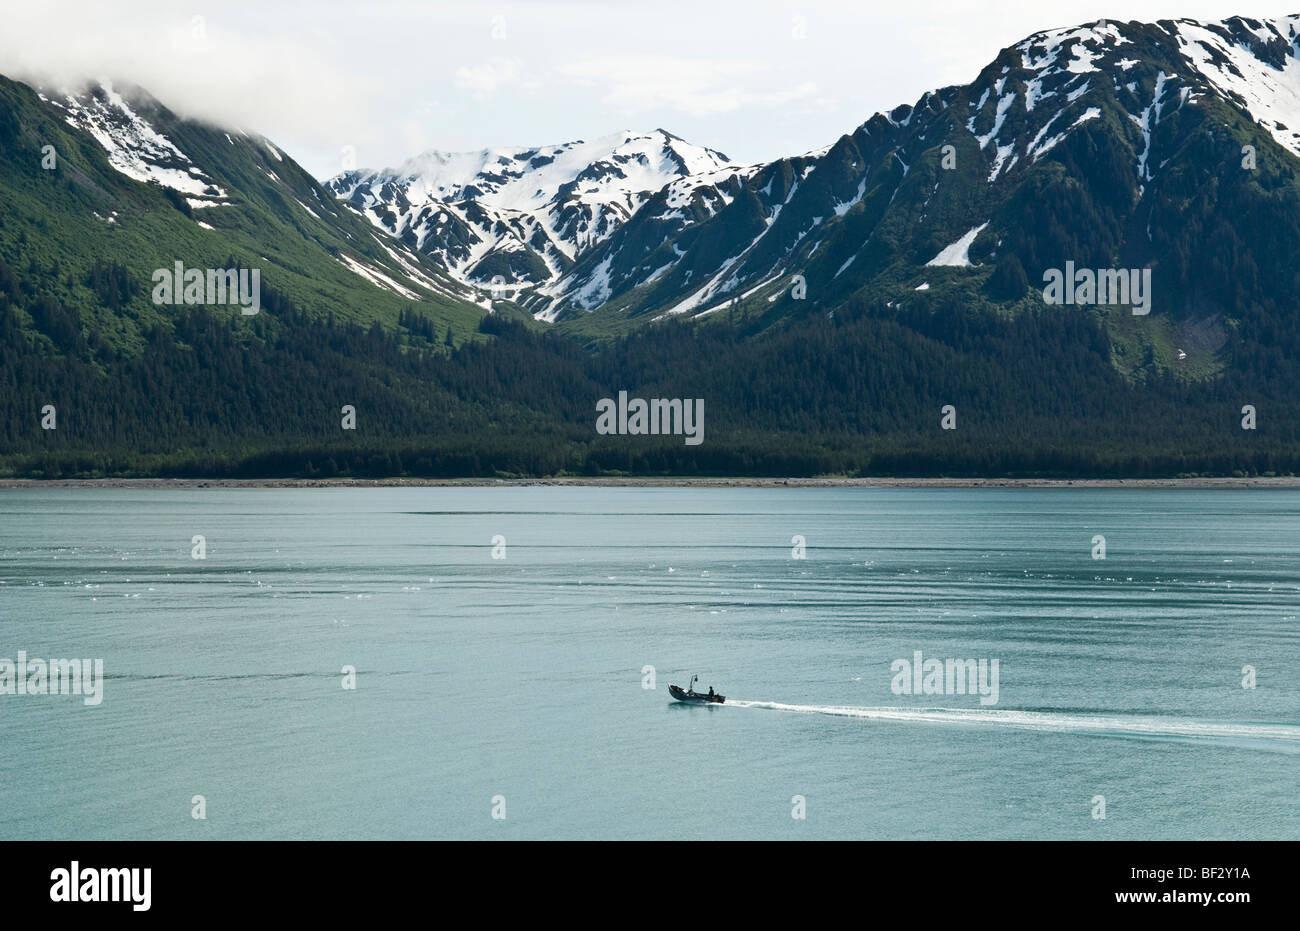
(693, 697)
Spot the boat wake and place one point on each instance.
(1283, 738)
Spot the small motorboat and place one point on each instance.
(693, 697)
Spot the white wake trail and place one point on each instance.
(1284, 737)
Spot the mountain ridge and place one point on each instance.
(1053, 102)
(520, 214)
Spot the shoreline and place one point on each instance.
(676, 482)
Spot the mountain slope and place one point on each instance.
(134, 188)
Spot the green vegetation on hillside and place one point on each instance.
(216, 394)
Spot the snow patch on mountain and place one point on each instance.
(376, 277)
(1149, 120)
(132, 145)
(957, 255)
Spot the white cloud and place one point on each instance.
(718, 74)
(486, 79)
(696, 87)
(204, 67)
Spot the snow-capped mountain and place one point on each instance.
(231, 174)
(1103, 144)
(1088, 143)
(522, 214)
(844, 295)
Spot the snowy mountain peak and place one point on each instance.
(604, 170)
(1252, 63)
(523, 214)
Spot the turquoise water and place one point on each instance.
(522, 678)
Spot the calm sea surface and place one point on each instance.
(517, 683)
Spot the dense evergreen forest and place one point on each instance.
(855, 392)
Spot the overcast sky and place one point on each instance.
(755, 80)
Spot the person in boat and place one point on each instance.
(710, 691)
